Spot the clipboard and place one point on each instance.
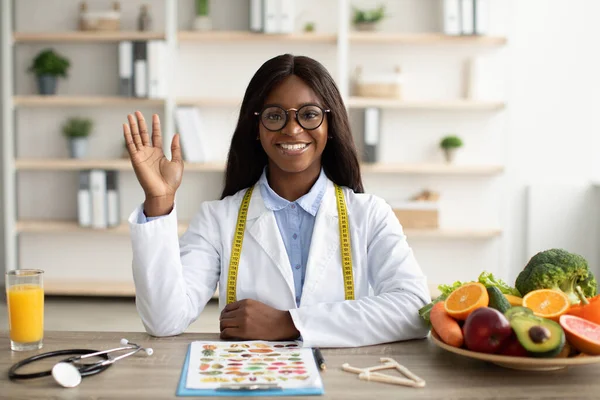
(246, 388)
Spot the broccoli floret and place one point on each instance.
(560, 270)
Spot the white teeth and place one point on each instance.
(293, 146)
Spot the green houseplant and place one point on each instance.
(77, 130)
(449, 145)
(202, 21)
(47, 66)
(367, 20)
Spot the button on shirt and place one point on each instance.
(295, 221)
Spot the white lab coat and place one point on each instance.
(175, 278)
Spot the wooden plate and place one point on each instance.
(521, 363)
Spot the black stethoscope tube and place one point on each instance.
(84, 370)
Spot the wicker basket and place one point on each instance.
(100, 20)
(383, 86)
(417, 214)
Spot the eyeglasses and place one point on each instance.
(275, 118)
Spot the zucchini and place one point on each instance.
(497, 299)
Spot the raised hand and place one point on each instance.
(158, 176)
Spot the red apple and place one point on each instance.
(512, 347)
(485, 330)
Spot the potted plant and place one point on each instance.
(47, 66)
(309, 27)
(202, 22)
(449, 145)
(367, 20)
(77, 131)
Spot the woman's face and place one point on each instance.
(293, 149)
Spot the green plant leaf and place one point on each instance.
(77, 127)
(49, 62)
(368, 16)
(451, 142)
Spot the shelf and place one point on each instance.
(89, 288)
(364, 102)
(210, 102)
(424, 39)
(431, 169)
(70, 164)
(41, 226)
(441, 105)
(451, 233)
(243, 36)
(72, 227)
(83, 101)
(78, 36)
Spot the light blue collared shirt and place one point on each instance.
(295, 221)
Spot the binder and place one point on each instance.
(451, 17)
(112, 199)
(99, 200)
(467, 17)
(84, 200)
(482, 17)
(286, 14)
(271, 20)
(140, 68)
(157, 88)
(256, 15)
(126, 68)
(371, 134)
(189, 126)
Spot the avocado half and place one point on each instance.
(541, 337)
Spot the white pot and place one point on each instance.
(450, 155)
(78, 147)
(202, 23)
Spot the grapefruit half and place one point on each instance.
(581, 333)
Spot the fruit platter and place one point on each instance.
(549, 320)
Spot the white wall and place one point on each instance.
(554, 111)
(546, 74)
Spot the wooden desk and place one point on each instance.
(448, 376)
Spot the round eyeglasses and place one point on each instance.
(275, 118)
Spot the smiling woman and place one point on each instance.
(297, 248)
(301, 113)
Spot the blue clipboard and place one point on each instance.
(182, 391)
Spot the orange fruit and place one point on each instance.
(466, 299)
(547, 303)
(514, 300)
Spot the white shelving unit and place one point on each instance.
(340, 42)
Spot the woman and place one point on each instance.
(278, 242)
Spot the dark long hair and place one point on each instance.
(247, 158)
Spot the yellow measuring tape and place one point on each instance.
(345, 246)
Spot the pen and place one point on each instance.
(319, 359)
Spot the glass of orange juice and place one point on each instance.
(25, 295)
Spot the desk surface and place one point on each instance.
(448, 376)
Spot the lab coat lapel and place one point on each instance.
(324, 243)
(262, 226)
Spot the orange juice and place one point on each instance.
(26, 313)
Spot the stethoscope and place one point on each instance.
(68, 372)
